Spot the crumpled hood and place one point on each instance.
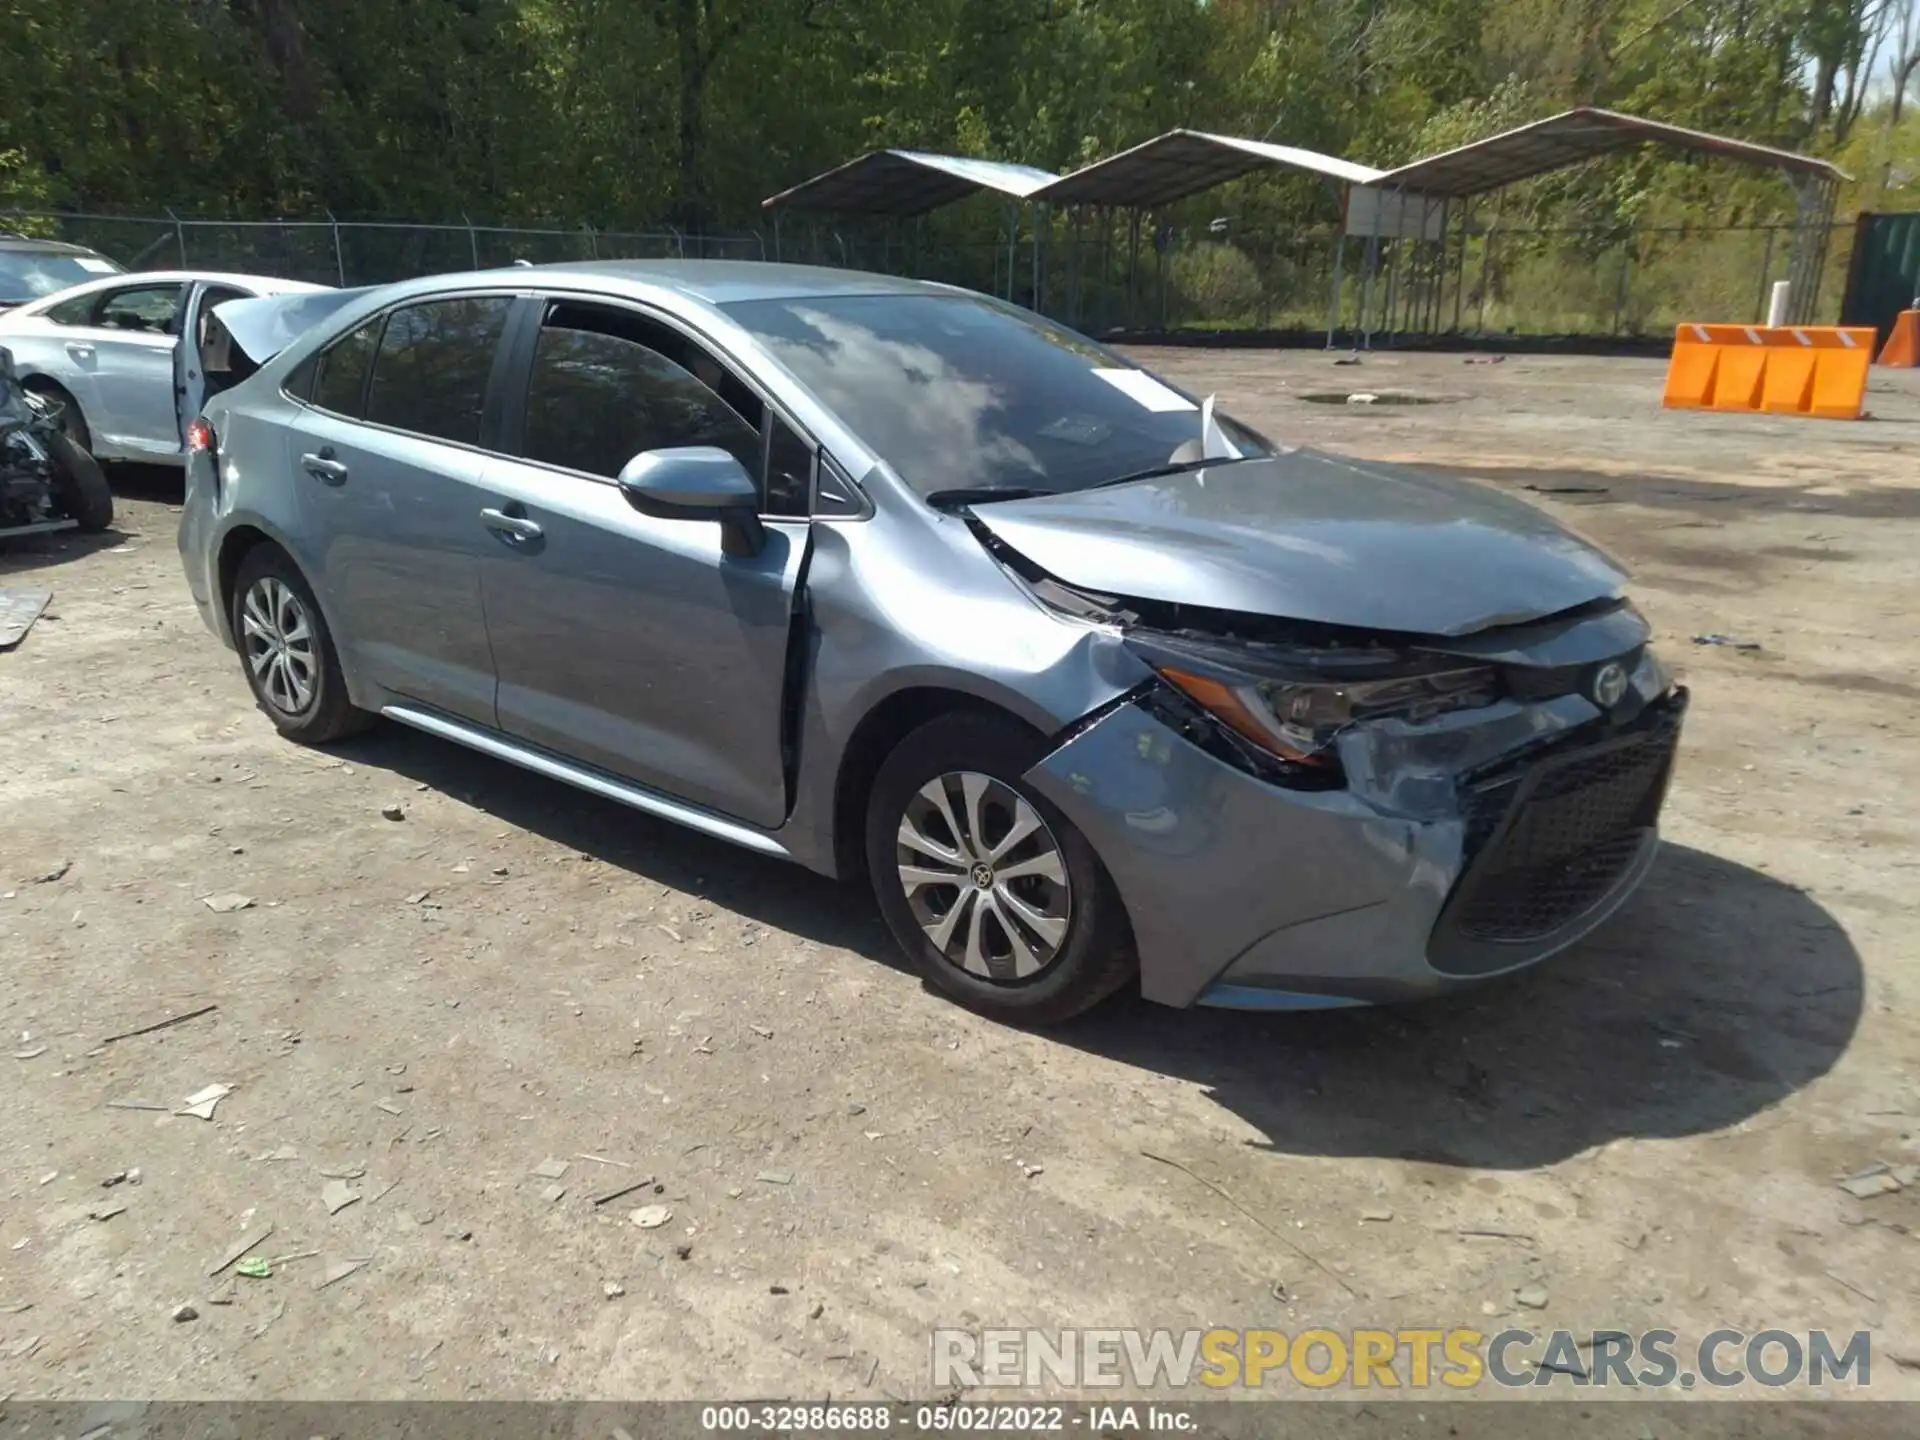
(1314, 537)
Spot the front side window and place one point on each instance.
(149, 309)
(430, 374)
(598, 395)
(960, 393)
(342, 379)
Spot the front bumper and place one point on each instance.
(1464, 848)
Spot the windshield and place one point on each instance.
(28, 274)
(960, 393)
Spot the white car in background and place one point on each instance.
(109, 351)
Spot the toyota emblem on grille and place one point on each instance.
(1609, 684)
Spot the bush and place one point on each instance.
(1215, 282)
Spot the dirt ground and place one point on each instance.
(425, 1010)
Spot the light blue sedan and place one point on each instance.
(1093, 686)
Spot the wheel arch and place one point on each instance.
(242, 536)
(31, 377)
(234, 548)
(882, 728)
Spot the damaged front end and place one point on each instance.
(1300, 814)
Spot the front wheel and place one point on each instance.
(998, 898)
(79, 484)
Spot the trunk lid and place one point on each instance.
(265, 326)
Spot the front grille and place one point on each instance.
(1548, 841)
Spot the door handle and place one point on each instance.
(514, 529)
(323, 467)
(78, 351)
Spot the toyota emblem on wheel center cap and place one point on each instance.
(1609, 684)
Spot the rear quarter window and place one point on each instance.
(339, 380)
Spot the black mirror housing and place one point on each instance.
(697, 482)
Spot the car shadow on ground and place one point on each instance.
(20, 554)
(772, 892)
(165, 484)
(1714, 994)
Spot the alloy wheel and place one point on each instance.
(984, 877)
(277, 641)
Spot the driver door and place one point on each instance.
(630, 642)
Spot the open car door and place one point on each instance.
(231, 338)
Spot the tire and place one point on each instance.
(287, 652)
(1032, 948)
(80, 485)
(72, 423)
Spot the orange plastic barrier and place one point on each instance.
(1903, 345)
(1818, 370)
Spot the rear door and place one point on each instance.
(623, 640)
(386, 457)
(128, 349)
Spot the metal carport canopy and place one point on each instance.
(907, 182)
(1180, 163)
(1569, 138)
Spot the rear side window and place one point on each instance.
(77, 311)
(343, 369)
(430, 375)
(596, 398)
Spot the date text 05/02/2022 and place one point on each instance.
(937, 1419)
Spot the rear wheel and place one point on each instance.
(998, 898)
(79, 484)
(287, 651)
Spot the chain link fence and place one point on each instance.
(1104, 275)
(361, 252)
(1100, 274)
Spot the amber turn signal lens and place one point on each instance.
(1224, 704)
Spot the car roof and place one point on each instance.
(270, 284)
(10, 240)
(721, 282)
(263, 284)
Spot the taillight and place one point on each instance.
(200, 437)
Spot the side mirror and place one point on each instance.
(698, 482)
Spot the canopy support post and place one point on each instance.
(1133, 268)
(1013, 246)
(1076, 263)
(1460, 265)
(1039, 269)
(1486, 262)
(1333, 292)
